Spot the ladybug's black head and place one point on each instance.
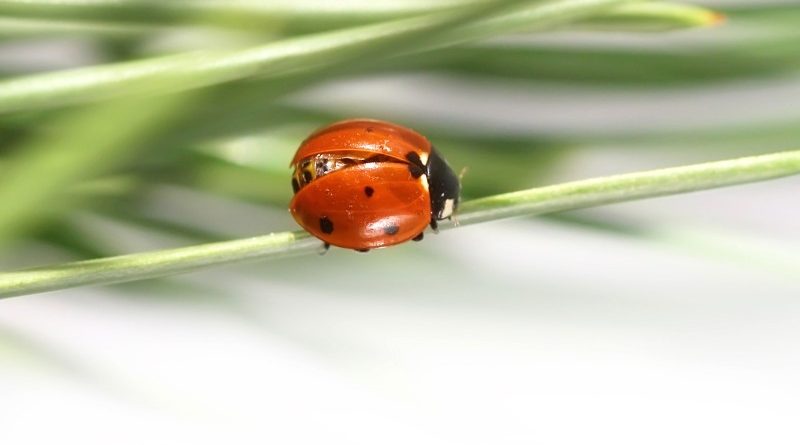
(443, 185)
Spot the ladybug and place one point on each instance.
(363, 184)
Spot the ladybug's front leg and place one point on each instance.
(325, 248)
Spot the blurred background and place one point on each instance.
(661, 321)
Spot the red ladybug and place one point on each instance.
(362, 184)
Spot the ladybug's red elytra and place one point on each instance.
(363, 184)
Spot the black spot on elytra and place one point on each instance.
(419, 237)
(370, 129)
(415, 166)
(307, 176)
(369, 191)
(326, 225)
(391, 230)
(295, 185)
(413, 157)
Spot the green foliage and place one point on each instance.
(98, 139)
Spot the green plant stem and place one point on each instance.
(654, 16)
(222, 12)
(202, 69)
(16, 28)
(628, 187)
(555, 198)
(297, 15)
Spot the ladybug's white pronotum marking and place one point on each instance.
(447, 211)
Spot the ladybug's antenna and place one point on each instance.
(461, 174)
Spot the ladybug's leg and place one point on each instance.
(434, 225)
(324, 249)
(419, 237)
(362, 250)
